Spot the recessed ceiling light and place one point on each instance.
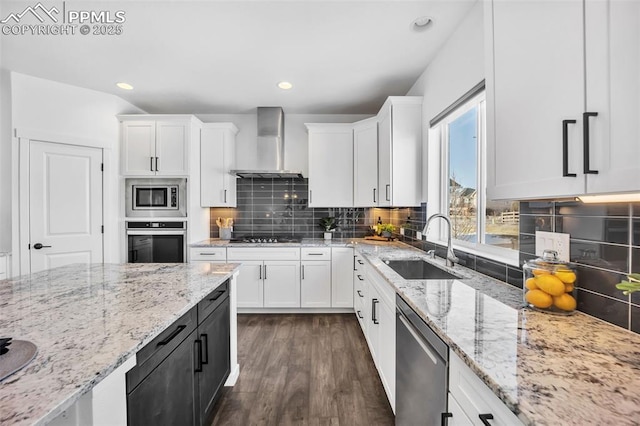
(422, 23)
(285, 85)
(124, 86)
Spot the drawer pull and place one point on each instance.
(360, 262)
(172, 335)
(360, 293)
(217, 296)
(374, 314)
(315, 254)
(484, 418)
(360, 315)
(208, 254)
(360, 277)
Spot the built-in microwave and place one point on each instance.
(156, 197)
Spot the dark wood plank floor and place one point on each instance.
(304, 369)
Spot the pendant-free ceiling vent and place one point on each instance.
(270, 147)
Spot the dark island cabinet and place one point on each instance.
(180, 374)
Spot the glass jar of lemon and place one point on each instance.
(550, 284)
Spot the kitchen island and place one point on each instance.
(87, 321)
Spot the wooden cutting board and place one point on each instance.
(379, 238)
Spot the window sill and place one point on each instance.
(509, 257)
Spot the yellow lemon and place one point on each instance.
(538, 272)
(550, 284)
(568, 288)
(566, 276)
(531, 283)
(539, 298)
(566, 302)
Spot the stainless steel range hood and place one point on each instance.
(270, 147)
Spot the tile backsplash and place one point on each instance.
(605, 245)
(281, 207)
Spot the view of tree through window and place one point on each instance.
(473, 218)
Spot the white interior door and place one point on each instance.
(65, 205)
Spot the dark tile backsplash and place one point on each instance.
(280, 207)
(605, 245)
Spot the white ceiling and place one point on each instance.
(227, 56)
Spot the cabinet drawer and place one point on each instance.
(475, 397)
(149, 357)
(318, 253)
(259, 253)
(208, 253)
(212, 301)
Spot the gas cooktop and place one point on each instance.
(265, 239)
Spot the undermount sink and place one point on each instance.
(417, 269)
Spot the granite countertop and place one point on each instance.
(547, 369)
(305, 242)
(86, 320)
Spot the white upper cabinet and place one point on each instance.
(556, 128)
(330, 165)
(154, 146)
(217, 159)
(365, 163)
(400, 152)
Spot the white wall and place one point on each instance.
(69, 112)
(296, 144)
(456, 69)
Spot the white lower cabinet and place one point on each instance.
(315, 284)
(374, 303)
(342, 265)
(458, 416)
(474, 398)
(250, 286)
(281, 284)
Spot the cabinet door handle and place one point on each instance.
(302, 269)
(374, 195)
(225, 195)
(565, 148)
(354, 262)
(360, 293)
(374, 315)
(217, 296)
(585, 139)
(205, 347)
(197, 351)
(265, 272)
(151, 166)
(156, 164)
(360, 277)
(444, 418)
(260, 272)
(484, 418)
(388, 188)
(360, 315)
(310, 196)
(172, 335)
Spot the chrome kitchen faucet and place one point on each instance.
(451, 256)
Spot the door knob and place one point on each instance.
(38, 246)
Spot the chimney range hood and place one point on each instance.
(270, 147)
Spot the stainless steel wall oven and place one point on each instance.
(157, 242)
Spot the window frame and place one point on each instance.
(438, 179)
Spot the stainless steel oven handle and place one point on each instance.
(418, 338)
(156, 231)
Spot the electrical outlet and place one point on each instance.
(553, 241)
(401, 231)
(418, 235)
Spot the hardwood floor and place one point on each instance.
(304, 369)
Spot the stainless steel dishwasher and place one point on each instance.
(422, 364)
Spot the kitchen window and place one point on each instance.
(457, 183)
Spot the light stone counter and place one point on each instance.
(86, 321)
(306, 242)
(548, 369)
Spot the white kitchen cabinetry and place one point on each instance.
(315, 277)
(269, 277)
(330, 165)
(541, 141)
(400, 152)
(468, 393)
(342, 265)
(156, 146)
(360, 292)
(365, 163)
(217, 159)
(208, 254)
